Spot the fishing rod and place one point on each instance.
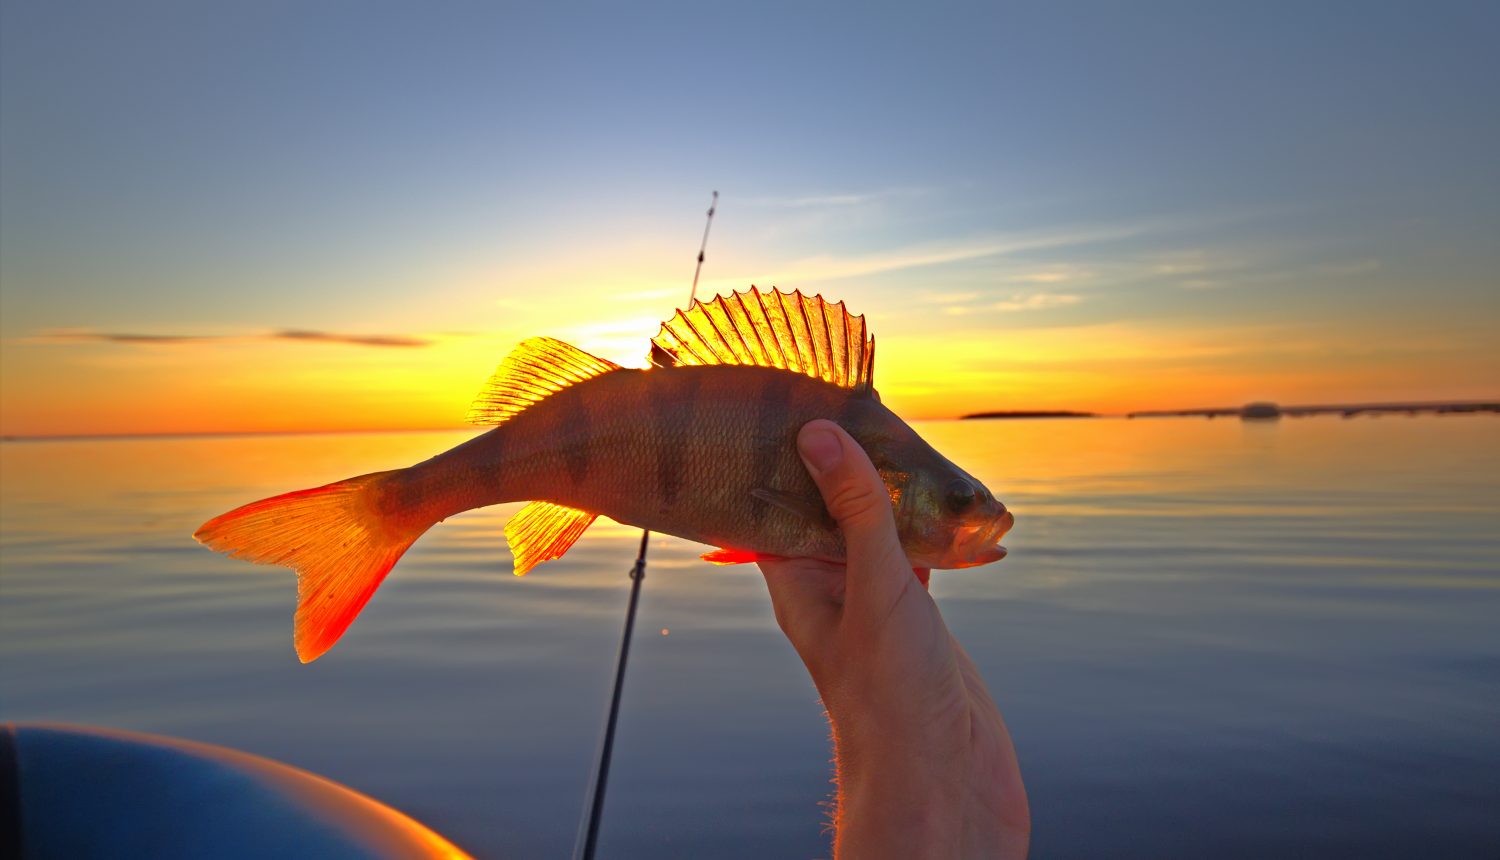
(588, 831)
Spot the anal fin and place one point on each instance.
(544, 531)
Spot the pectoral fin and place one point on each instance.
(808, 508)
(543, 531)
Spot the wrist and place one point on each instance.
(870, 826)
(898, 796)
(940, 790)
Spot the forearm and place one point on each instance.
(900, 799)
(946, 788)
(891, 805)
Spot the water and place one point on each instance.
(1212, 638)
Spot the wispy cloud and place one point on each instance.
(351, 339)
(828, 268)
(1348, 268)
(1037, 301)
(74, 335)
(949, 298)
(831, 201)
(1051, 275)
(789, 219)
(1200, 268)
(1017, 302)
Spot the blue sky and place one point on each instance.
(1176, 176)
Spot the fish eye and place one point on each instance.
(961, 496)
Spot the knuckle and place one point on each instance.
(857, 502)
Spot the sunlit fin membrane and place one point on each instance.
(534, 371)
(332, 536)
(733, 556)
(769, 328)
(543, 531)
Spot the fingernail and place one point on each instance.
(821, 449)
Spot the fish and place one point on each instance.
(701, 444)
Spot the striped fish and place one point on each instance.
(701, 445)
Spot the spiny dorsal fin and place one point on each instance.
(543, 531)
(769, 328)
(535, 370)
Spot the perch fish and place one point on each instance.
(701, 445)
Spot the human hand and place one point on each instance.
(925, 766)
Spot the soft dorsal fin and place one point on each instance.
(534, 371)
(769, 328)
(543, 531)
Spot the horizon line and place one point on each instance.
(199, 434)
(1000, 413)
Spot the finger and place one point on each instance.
(859, 502)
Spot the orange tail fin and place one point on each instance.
(334, 537)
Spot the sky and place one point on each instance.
(342, 215)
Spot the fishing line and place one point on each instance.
(588, 831)
(707, 225)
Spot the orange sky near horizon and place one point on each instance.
(64, 387)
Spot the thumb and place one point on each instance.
(859, 502)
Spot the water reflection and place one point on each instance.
(1210, 639)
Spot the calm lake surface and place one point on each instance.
(1211, 639)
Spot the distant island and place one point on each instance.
(1270, 411)
(1031, 413)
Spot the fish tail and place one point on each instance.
(339, 539)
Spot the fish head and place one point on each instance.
(946, 517)
(949, 519)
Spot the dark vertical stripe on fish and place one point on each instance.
(770, 435)
(495, 443)
(849, 413)
(575, 423)
(672, 406)
(853, 413)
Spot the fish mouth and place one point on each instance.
(981, 544)
(1004, 523)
